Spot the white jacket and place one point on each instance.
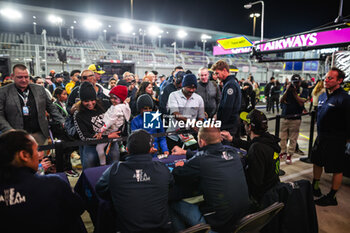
(115, 117)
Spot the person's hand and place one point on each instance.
(127, 100)
(153, 150)
(206, 115)
(166, 153)
(225, 135)
(114, 134)
(178, 151)
(98, 136)
(46, 163)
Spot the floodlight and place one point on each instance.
(181, 34)
(205, 37)
(34, 23)
(74, 21)
(109, 26)
(72, 27)
(91, 23)
(154, 31)
(248, 6)
(126, 27)
(34, 17)
(104, 30)
(11, 13)
(55, 19)
(254, 15)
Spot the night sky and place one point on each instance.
(282, 17)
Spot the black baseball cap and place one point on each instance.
(256, 118)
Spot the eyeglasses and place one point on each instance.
(86, 77)
(20, 77)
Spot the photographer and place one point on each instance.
(291, 105)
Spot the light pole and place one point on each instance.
(248, 6)
(254, 16)
(174, 44)
(204, 38)
(131, 9)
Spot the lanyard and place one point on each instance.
(24, 97)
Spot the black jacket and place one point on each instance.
(164, 96)
(34, 203)
(262, 168)
(139, 190)
(217, 173)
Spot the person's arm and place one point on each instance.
(188, 174)
(82, 128)
(300, 100)
(4, 124)
(102, 187)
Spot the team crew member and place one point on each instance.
(333, 129)
(217, 173)
(138, 187)
(31, 202)
(230, 103)
(262, 159)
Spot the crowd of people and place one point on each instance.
(83, 108)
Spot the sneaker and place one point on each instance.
(283, 155)
(326, 200)
(317, 192)
(72, 173)
(289, 159)
(300, 152)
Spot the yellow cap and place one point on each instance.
(96, 69)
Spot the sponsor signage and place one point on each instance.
(235, 42)
(340, 36)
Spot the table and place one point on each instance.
(101, 211)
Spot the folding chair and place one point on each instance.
(199, 228)
(256, 221)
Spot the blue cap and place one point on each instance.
(189, 80)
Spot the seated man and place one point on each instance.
(262, 159)
(138, 187)
(217, 173)
(30, 202)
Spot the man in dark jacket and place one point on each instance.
(267, 93)
(164, 94)
(217, 173)
(262, 160)
(230, 103)
(30, 202)
(138, 187)
(209, 92)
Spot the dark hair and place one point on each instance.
(142, 89)
(11, 142)
(58, 91)
(154, 72)
(139, 142)
(272, 78)
(74, 72)
(112, 79)
(19, 66)
(341, 74)
(98, 106)
(178, 68)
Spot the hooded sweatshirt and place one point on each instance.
(262, 168)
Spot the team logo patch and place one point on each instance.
(230, 91)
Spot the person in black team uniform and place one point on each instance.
(215, 172)
(30, 202)
(138, 188)
(333, 132)
(262, 160)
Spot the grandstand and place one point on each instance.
(30, 48)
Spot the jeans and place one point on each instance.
(89, 156)
(184, 215)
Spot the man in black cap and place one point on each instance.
(262, 158)
(164, 94)
(291, 105)
(56, 82)
(138, 187)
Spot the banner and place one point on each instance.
(340, 36)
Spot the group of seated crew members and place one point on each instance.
(146, 195)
